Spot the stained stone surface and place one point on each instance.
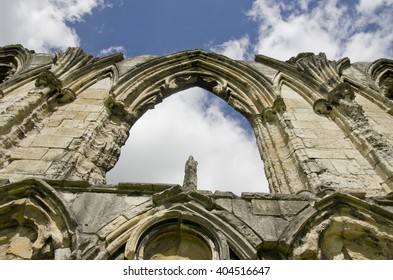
(323, 129)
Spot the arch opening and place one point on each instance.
(176, 240)
(192, 122)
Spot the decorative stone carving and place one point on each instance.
(31, 226)
(48, 79)
(7, 70)
(322, 107)
(118, 110)
(269, 113)
(66, 95)
(178, 81)
(346, 235)
(279, 105)
(320, 68)
(341, 91)
(387, 87)
(14, 59)
(379, 75)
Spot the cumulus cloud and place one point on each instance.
(41, 25)
(360, 30)
(112, 49)
(191, 123)
(235, 49)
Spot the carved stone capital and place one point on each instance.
(256, 119)
(268, 114)
(118, 110)
(278, 107)
(66, 95)
(342, 95)
(48, 79)
(341, 91)
(322, 107)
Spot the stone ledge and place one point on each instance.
(269, 196)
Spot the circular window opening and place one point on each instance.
(175, 241)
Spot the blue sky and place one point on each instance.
(222, 143)
(164, 27)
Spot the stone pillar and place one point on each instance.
(190, 175)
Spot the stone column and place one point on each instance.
(190, 175)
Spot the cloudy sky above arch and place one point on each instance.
(361, 30)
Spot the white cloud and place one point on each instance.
(367, 6)
(360, 30)
(111, 50)
(235, 49)
(191, 123)
(41, 25)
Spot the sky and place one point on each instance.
(195, 122)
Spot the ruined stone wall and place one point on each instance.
(322, 128)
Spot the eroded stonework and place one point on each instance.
(323, 129)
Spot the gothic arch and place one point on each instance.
(13, 60)
(378, 69)
(380, 72)
(19, 66)
(221, 238)
(147, 84)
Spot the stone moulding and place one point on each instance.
(14, 59)
(221, 235)
(350, 220)
(117, 109)
(341, 91)
(66, 95)
(278, 107)
(322, 107)
(193, 68)
(48, 79)
(34, 208)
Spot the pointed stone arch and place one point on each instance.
(242, 87)
(221, 237)
(380, 72)
(13, 60)
(147, 84)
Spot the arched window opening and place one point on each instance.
(176, 241)
(192, 122)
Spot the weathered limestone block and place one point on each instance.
(94, 210)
